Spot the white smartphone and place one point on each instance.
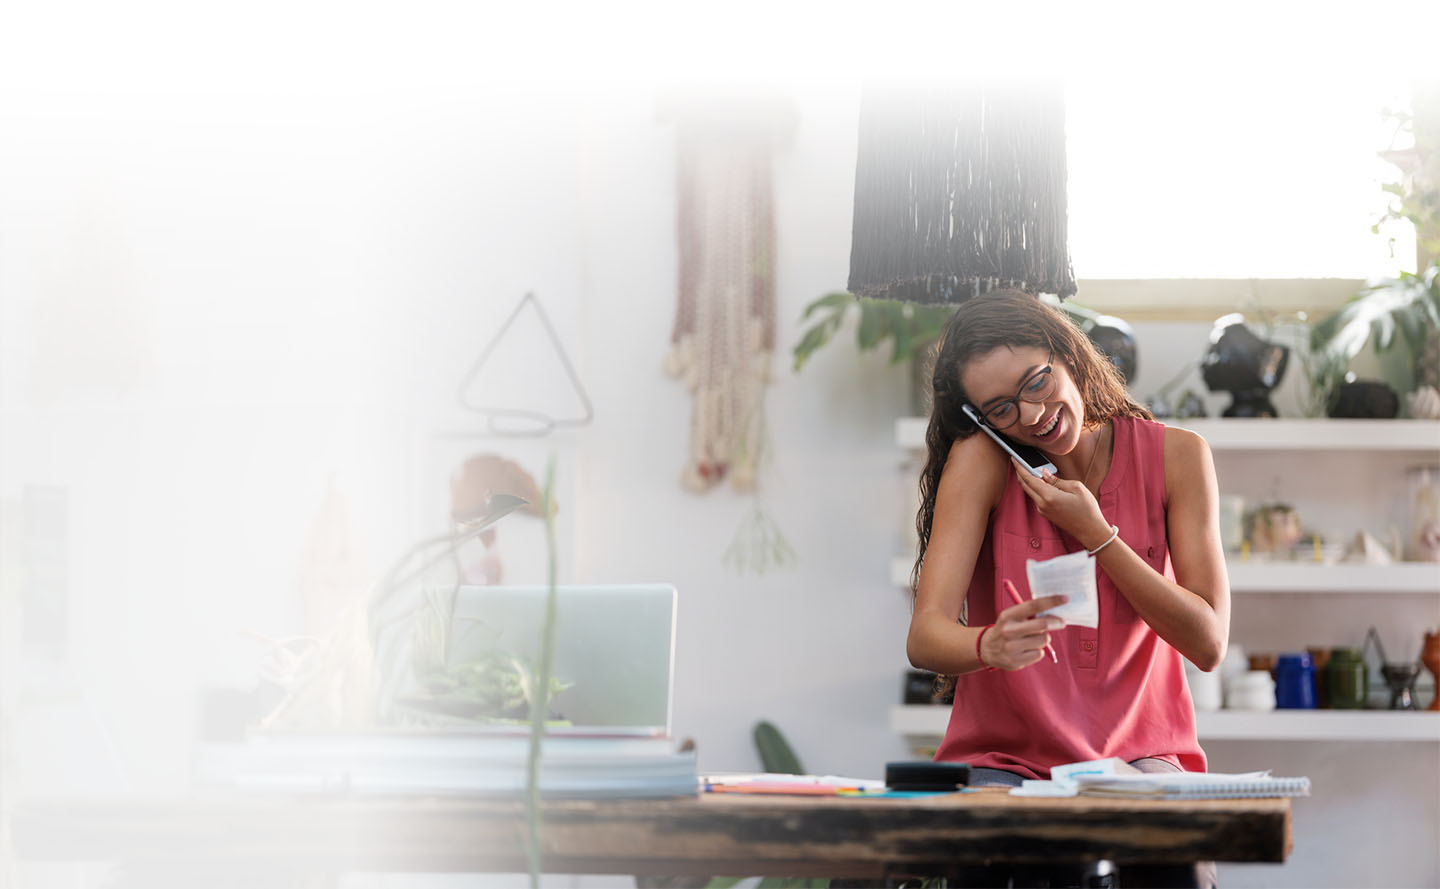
(1033, 459)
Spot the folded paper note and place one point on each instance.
(1070, 575)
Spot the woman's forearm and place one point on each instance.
(940, 645)
(1182, 617)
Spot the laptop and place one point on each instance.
(614, 649)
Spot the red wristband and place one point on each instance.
(977, 647)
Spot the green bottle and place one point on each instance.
(1346, 678)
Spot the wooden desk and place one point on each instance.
(709, 834)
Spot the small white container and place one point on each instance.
(1236, 662)
(1251, 690)
(1204, 687)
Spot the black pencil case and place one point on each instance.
(935, 776)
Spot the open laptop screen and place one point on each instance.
(614, 648)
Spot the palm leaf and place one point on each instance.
(1374, 310)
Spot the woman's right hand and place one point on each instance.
(1018, 638)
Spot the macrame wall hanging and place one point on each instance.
(724, 331)
(723, 337)
(960, 189)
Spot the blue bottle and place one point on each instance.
(1294, 682)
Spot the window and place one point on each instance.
(1215, 177)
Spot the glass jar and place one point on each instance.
(1346, 679)
(1423, 543)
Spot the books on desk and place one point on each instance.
(1116, 778)
(473, 763)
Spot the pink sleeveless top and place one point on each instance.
(1119, 689)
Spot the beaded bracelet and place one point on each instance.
(1114, 532)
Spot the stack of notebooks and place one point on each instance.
(585, 766)
(1191, 785)
(1117, 778)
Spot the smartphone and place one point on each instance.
(1034, 461)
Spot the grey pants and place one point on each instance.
(1201, 874)
(983, 777)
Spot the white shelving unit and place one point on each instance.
(1415, 578)
(1313, 577)
(1402, 439)
(1316, 435)
(1335, 446)
(1418, 436)
(925, 724)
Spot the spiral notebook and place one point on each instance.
(1192, 785)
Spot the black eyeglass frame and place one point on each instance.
(1047, 370)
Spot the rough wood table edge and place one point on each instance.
(709, 834)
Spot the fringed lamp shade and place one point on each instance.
(958, 191)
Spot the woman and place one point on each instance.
(1139, 495)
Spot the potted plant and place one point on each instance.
(1405, 308)
(1402, 309)
(912, 329)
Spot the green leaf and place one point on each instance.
(904, 345)
(775, 752)
(813, 339)
(840, 301)
(874, 324)
(1413, 328)
(1383, 328)
(930, 320)
(1345, 333)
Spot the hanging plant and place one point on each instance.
(908, 326)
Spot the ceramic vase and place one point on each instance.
(1430, 657)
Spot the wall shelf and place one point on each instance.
(1319, 725)
(1316, 435)
(928, 723)
(1268, 435)
(1422, 578)
(1314, 577)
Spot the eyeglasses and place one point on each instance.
(1036, 388)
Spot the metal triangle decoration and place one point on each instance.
(522, 422)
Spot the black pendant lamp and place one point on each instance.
(960, 189)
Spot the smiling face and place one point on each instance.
(1053, 425)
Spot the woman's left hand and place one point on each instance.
(1068, 504)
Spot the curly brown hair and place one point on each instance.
(1010, 318)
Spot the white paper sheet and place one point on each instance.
(1070, 575)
